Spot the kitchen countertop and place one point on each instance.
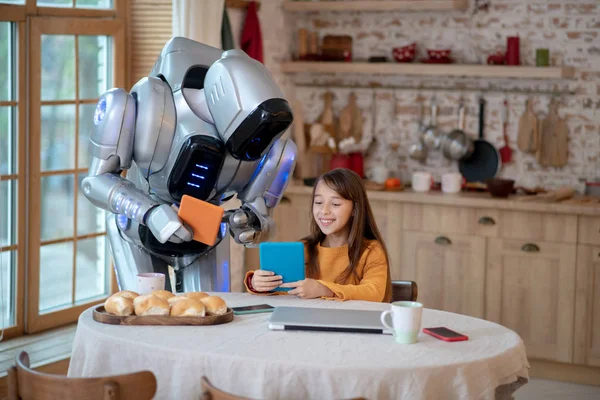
(470, 199)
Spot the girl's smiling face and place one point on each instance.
(330, 211)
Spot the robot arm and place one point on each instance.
(252, 223)
(111, 145)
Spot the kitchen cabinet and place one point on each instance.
(531, 290)
(589, 230)
(539, 226)
(587, 306)
(451, 219)
(449, 270)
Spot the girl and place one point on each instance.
(345, 254)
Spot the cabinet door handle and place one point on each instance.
(285, 200)
(442, 240)
(530, 248)
(487, 221)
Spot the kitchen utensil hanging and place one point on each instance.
(485, 162)
(553, 145)
(528, 136)
(505, 151)
(457, 145)
(418, 151)
(432, 135)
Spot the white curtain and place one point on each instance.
(199, 20)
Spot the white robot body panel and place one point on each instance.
(248, 114)
(204, 123)
(113, 130)
(179, 56)
(155, 124)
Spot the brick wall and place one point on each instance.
(569, 28)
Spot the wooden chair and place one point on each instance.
(27, 384)
(209, 392)
(404, 291)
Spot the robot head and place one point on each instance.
(246, 104)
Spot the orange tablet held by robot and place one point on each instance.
(204, 218)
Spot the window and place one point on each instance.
(76, 51)
(12, 177)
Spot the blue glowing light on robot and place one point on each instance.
(123, 222)
(100, 111)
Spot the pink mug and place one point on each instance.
(149, 282)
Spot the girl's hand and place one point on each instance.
(308, 289)
(265, 281)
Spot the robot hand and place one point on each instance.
(250, 227)
(165, 225)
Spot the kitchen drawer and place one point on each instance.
(589, 230)
(448, 219)
(538, 226)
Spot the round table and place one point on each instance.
(245, 358)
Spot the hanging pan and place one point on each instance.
(484, 163)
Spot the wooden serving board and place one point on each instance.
(100, 315)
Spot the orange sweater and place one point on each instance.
(373, 272)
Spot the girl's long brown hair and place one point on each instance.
(362, 223)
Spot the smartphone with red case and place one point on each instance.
(445, 334)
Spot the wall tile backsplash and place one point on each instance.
(569, 29)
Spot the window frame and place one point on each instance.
(33, 21)
(56, 26)
(14, 15)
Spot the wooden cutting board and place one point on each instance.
(327, 118)
(553, 149)
(560, 152)
(347, 118)
(100, 315)
(357, 119)
(528, 136)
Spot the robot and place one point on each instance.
(206, 123)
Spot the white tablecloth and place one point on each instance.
(244, 357)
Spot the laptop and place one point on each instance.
(327, 319)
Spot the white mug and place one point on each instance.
(421, 181)
(451, 182)
(149, 282)
(406, 320)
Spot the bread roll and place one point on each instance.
(141, 298)
(127, 293)
(163, 294)
(151, 305)
(188, 308)
(119, 305)
(214, 305)
(176, 299)
(195, 295)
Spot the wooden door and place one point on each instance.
(531, 290)
(587, 306)
(448, 269)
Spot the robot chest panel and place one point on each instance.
(197, 167)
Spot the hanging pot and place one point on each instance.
(485, 162)
(456, 145)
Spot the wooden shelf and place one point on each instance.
(378, 5)
(466, 70)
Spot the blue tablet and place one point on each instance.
(283, 258)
